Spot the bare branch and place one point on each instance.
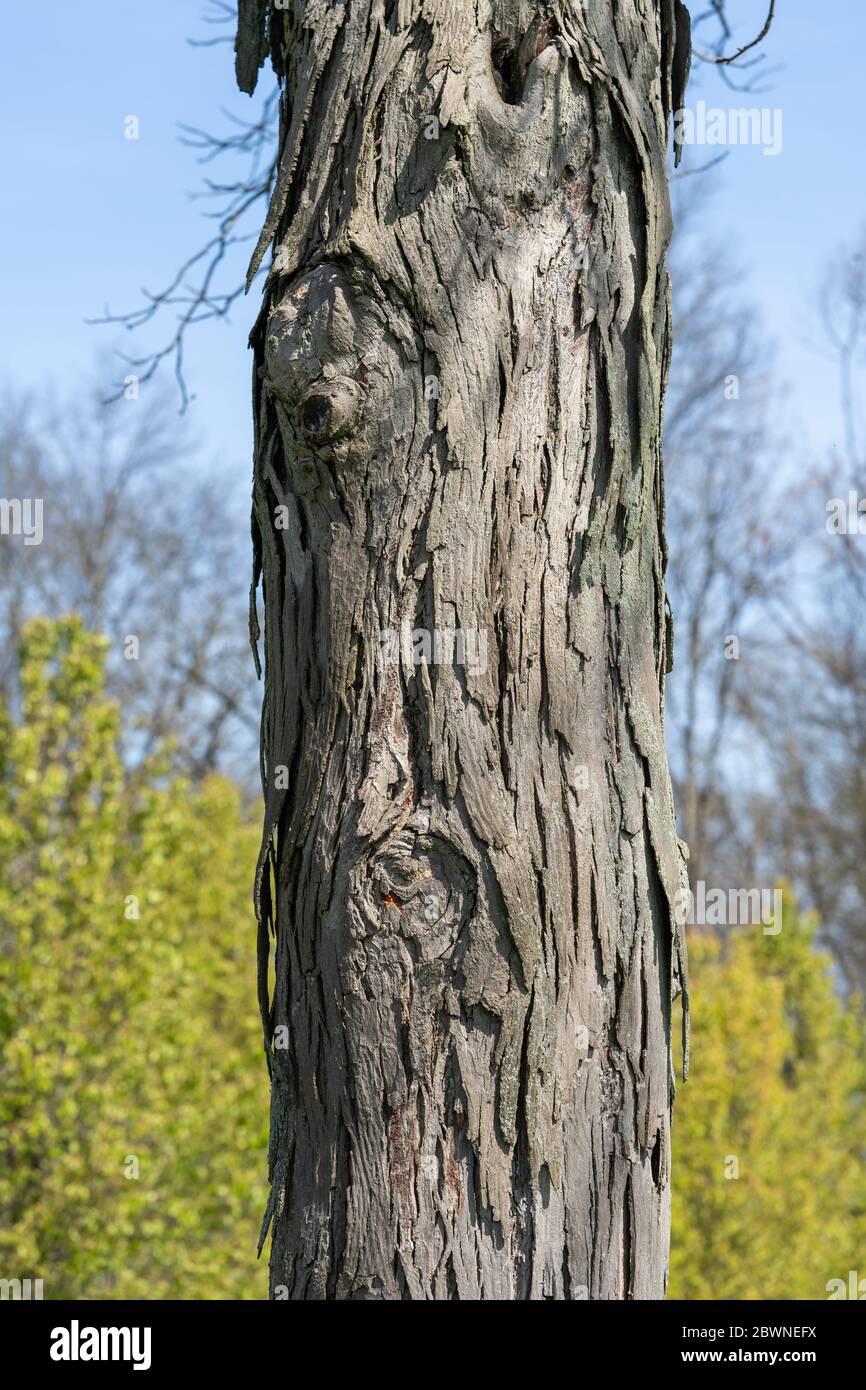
(701, 169)
(195, 289)
(718, 56)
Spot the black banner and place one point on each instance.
(67, 1339)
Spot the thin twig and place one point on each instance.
(720, 58)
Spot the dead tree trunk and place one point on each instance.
(470, 861)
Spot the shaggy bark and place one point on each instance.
(469, 862)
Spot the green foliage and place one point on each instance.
(129, 1040)
(777, 1084)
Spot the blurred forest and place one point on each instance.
(133, 1098)
(133, 1092)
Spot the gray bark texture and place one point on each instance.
(470, 861)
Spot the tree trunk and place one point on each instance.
(470, 860)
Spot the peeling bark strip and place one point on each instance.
(469, 869)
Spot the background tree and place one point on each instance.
(143, 543)
(770, 1131)
(730, 560)
(809, 710)
(125, 976)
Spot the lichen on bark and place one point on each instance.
(469, 867)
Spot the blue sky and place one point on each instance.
(786, 215)
(91, 216)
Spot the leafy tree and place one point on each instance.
(770, 1133)
(131, 1117)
